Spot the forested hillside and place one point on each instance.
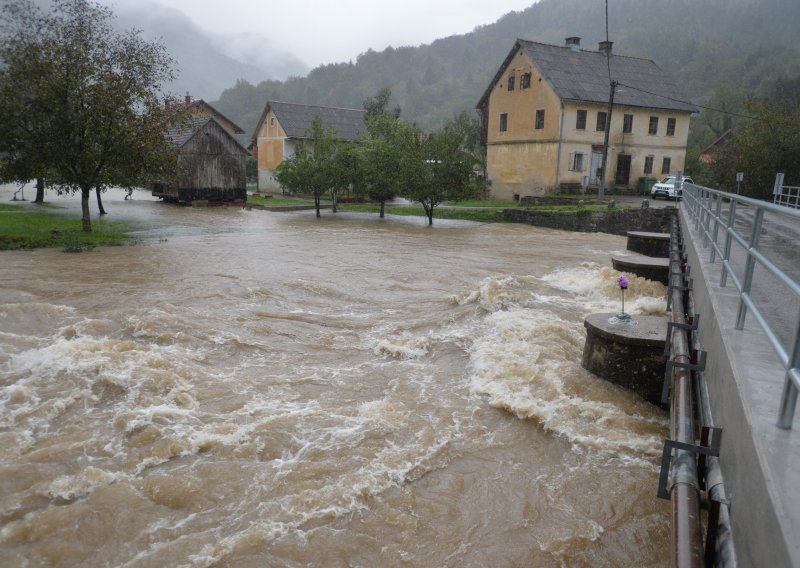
(747, 44)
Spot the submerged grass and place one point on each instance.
(29, 227)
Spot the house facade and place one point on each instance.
(283, 126)
(544, 119)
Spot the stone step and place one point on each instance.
(649, 244)
(649, 267)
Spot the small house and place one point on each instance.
(283, 126)
(710, 153)
(210, 164)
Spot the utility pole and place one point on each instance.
(602, 189)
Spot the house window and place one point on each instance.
(525, 81)
(511, 83)
(670, 127)
(653, 125)
(601, 121)
(627, 124)
(503, 122)
(666, 165)
(648, 164)
(540, 119)
(576, 164)
(580, 123)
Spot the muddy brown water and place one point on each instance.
(246, 388)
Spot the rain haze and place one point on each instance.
(332, 32)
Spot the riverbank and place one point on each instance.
(57, 224)
(30, 226)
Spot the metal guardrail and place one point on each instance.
(705, 208)
(789, 196)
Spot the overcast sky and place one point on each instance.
(323, 31)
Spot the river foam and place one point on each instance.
(527, 359)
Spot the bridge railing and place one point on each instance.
(713, 211)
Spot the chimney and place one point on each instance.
(604, 47)
(188, 99)
(574, 43)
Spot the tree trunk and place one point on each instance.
(100, 203)
(429, 213)
(316, 204)
(382, 204)
(87, 220)
(333, 194)
(39, 190)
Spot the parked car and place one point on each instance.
(666, 188)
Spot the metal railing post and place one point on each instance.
(716, 229)
(726, 257)
(790, 386)
(750, 267)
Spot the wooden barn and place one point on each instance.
(211, 163)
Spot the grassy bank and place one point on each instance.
(34, 226)
(483, 215)
(281, 201)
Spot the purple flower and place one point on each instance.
(623, 282)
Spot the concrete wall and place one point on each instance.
(760, 462)
(614, 221)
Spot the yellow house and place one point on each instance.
(283, 126)
(544, 119)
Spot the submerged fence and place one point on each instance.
(718, 214)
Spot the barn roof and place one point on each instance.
(583, 76)
(200, 103)
(181, 132)
(296, 119)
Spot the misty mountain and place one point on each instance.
(207, 64)
(702, 43)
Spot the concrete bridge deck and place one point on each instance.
(759, 460)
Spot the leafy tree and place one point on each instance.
(768, 144)
(378, 106)
(382, 159)
(381, 152)
(315, 167)
(80, 101)
(296, 173)
(345, 170)
(436, 167)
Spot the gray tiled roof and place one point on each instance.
(181, 132)
(296, 119)
(584, 76)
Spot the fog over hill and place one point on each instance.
(702, 43)
(207, 63)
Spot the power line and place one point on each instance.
(688, 102)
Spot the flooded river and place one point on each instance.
(247, 388)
